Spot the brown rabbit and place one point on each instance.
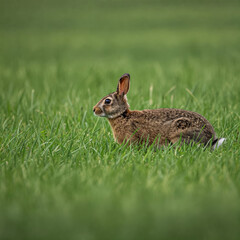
(159, 126)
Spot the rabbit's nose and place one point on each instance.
(97, 110)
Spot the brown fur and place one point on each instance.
(160, 126)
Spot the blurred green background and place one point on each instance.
(61, 174)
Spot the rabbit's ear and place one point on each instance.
(123, 84)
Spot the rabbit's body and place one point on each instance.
(159, 126)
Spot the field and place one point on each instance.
(62, 176)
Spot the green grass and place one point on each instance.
(61, 174)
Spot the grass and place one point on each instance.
(61, 174)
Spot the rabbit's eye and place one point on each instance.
(107, 101)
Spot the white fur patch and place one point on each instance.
(125, 97)
(219, 143)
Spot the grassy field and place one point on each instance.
(62, 176)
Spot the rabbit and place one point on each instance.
(153, 126)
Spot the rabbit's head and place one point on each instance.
(114, 104)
